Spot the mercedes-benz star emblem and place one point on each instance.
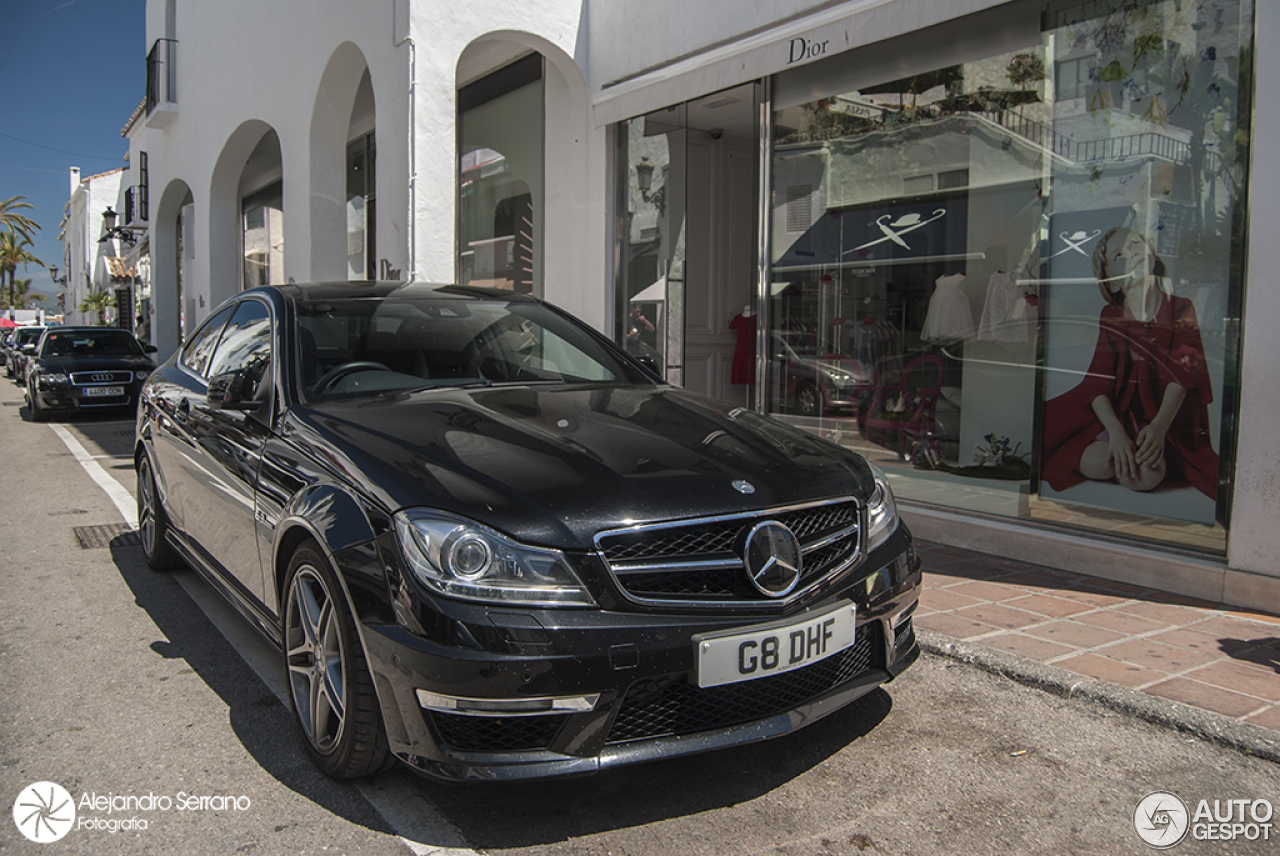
(772, 558)
(743, 486)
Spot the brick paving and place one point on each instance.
(1213, 657)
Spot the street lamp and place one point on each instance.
(644, 181)
(110, 230)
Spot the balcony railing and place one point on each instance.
(162, 77)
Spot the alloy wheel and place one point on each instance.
(146, 507)
(316, 659)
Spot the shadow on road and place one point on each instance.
(263, 726)
(492, 817)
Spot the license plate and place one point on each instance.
(102, 391)
(771, 649)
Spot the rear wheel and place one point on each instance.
(153, 522)
(330, 688)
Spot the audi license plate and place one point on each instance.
(102, 391)
(774, 648)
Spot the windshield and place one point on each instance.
(28, 336)
(90, 343)
(367, 346)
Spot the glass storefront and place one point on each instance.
(1011, 271)
(362, 209)
(263, 215)
(653, 154)
(500, 178)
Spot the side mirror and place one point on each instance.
(232, 390)
(29, 349)
(150, 349)
(651, 365)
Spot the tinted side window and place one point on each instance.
(245, 343)
(195, 355)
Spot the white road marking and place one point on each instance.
(415, 820)
(118, 494)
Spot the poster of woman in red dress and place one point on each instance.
(1140, 416)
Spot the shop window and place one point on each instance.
(500, 181)
(263, 214)
(1017, 289)
(361, 209)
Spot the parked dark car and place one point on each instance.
(82, 369)
(808, 384)
(15, 364)
(490, 544)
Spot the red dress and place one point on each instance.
(744, 355)
(1132, 365)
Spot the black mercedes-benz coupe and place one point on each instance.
(490, 544)
(83, 369)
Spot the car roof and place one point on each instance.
(84, 328)
(301, 291)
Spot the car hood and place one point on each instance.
(94, 364)
(555, 465)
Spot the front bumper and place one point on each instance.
(68, 397)
(623, 680)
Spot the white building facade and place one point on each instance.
(877, 220)
(90, 264)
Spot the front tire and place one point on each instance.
(809, 400)
(38, 413)
(153, 522)
(330, 689)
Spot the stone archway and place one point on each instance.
(345, 107)
(172, 227)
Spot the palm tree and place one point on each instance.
(14, 252)
(98, 302)
(12, 221)
(22, 294)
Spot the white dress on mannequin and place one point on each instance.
(949, 318)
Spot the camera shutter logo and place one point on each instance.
(44, 812)
(1161, 819)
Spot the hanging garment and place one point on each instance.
(949, 318)
(1006, 313)
(744, 355)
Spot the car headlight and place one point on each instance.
(465, 560)
(53, 378)
(882, 511)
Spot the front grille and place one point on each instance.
(113, 378)
(496, 733)
(699, 561)
(675, 706)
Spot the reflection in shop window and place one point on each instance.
(950, 309)
(264, 237)
(500, 179)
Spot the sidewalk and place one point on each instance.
(1208, 656)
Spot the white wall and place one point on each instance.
(244, 68)
(90, 197)
(1255, 537)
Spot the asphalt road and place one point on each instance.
(120, 683)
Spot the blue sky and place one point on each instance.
(73, 72)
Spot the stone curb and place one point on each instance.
(1251, 739)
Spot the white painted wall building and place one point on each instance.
(84, 255)
(630, 163)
